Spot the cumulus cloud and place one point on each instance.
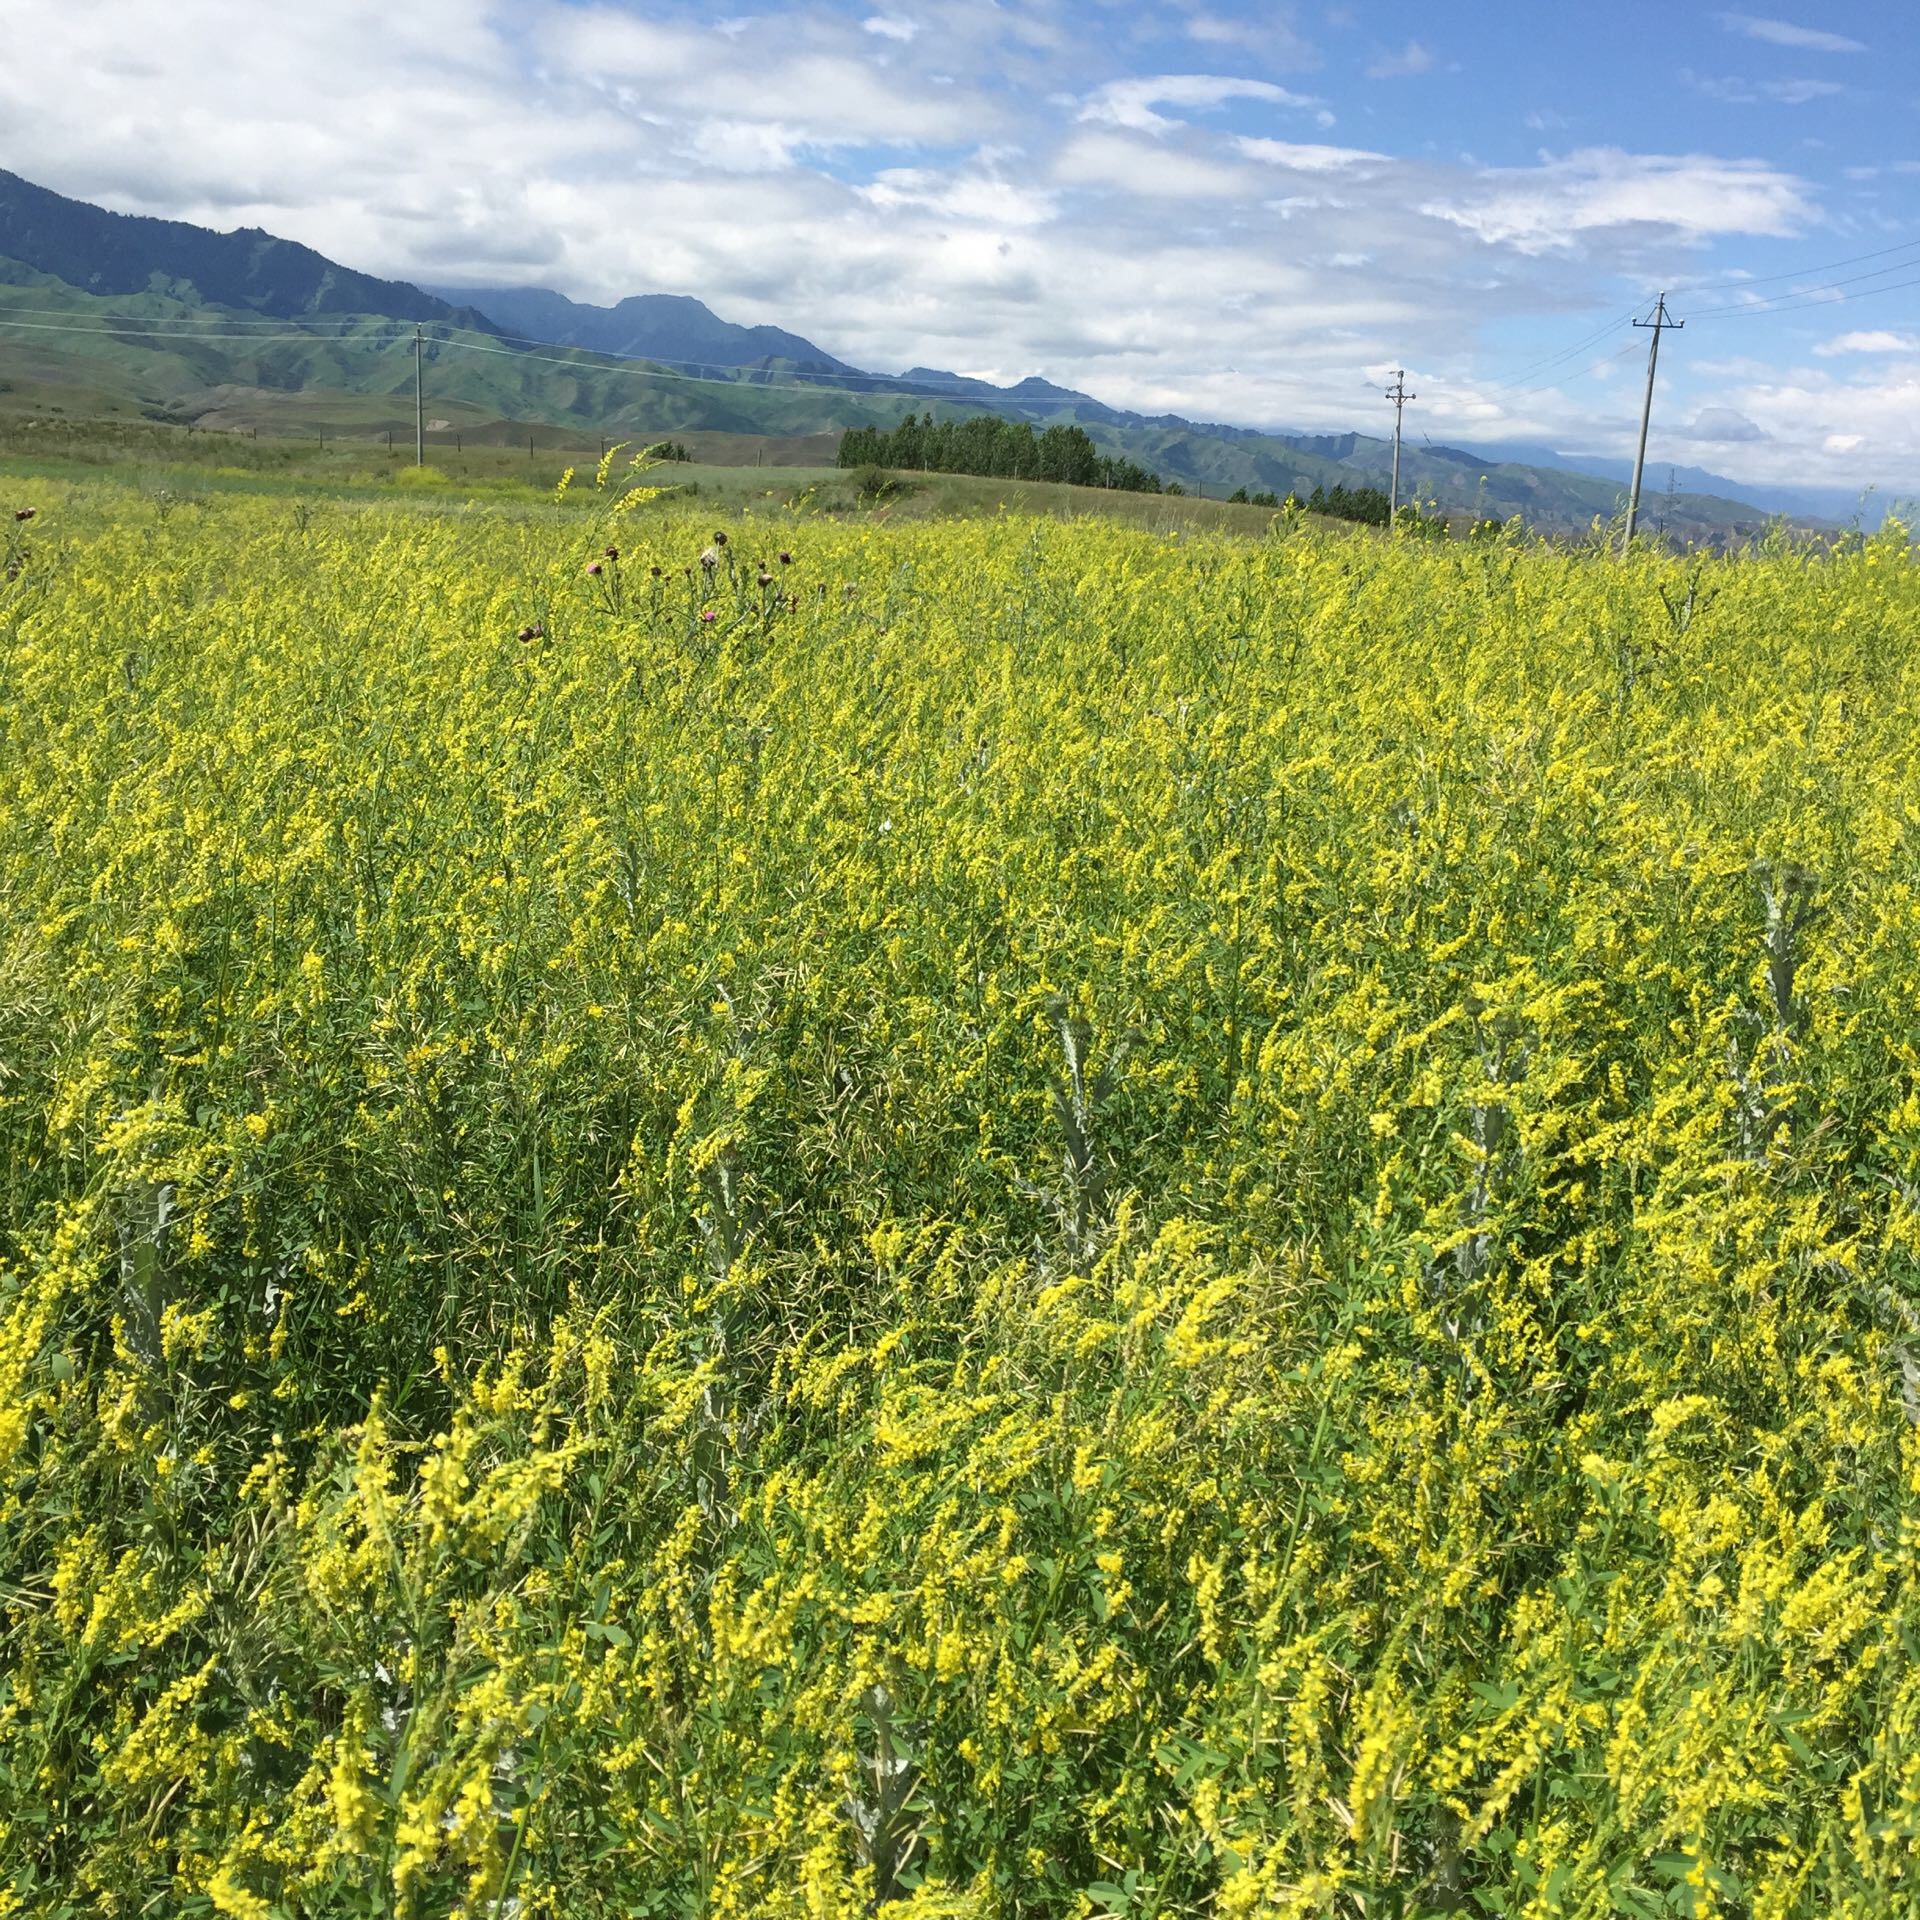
(891, 26)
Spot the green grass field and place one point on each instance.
(493, 459)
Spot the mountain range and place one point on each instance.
(160, 317)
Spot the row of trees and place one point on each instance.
(1368, 505)
(1011, 450)
(999, 449)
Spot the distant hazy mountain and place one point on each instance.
(122, 253)
(670, 327)
(1801, 503)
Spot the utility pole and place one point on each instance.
(1399, 395)
(1659, 324)
(419, 400)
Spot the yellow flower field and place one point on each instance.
(1047, 1222)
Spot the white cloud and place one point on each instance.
(1131, 103)
(891, 26)
(1879, 341)
(1547, 208)
(1271, 39)
(1119, 162)
(1413, 58)
(1783, 33)
(1722, 425)
(1752, 93)
(1298, 158)
(976, 197)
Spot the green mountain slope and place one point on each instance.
(249, 270)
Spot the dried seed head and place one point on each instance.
(720, 539)
(25, 513)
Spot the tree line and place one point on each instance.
(998, 449)
(1002, 449)
(1368, 505)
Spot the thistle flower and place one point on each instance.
(613, 553)
(720, 539)
(595, 567)
(786, 559)
(708, 616)
(766, 579)
(654, 571)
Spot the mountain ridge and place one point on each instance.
(663, 326)
(101, 252)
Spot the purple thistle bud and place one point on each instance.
(708, 616)
(655, 571)
(786, 559)
(613, 553)
(596, 568)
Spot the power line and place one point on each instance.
(1660, 324)
(620, 363)
(111, 328)
(348, 320)
(356, 328)
(1632, 346)
(1566, 353)
(1398, 394)
(1801, 273)
(1774, 302)
(658, 366)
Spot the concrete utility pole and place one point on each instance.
(1659, 323)
(1399, 395)
(419, 400)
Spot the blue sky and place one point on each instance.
(1231, 211)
